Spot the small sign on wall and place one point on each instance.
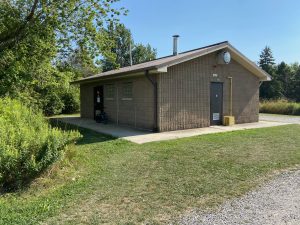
(216, 116)
(215, 77)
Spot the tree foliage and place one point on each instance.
(142, 53)
(36, 36)
(79, 62)
(123, 43)
(271, 89)
(285, 78)
(74, 22)
(267, 60)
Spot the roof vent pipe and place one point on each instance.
(175, 40)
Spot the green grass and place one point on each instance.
(280, 106)
(64, 115)
(105, 180)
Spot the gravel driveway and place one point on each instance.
(277, 202)
(279, 118)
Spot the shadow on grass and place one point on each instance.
(89, 136)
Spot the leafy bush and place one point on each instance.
(52, 104)
(70, 100)
(28, 145)
(281, 106)
(59, 96)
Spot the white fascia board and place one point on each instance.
(248, 64)
(163, 69)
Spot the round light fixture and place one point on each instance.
(226, 57)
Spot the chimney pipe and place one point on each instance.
(175, 40)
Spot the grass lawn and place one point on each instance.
(104, 180)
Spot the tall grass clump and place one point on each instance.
(280, 106)
(28, 145)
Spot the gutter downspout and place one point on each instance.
(154, 83)
(230, 80)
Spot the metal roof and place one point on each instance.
(161, 64)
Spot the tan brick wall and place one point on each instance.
(138, 112)
(86, 101)
(184, 93)
(183, 96)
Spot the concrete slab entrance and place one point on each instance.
(141, 137)
(109, 129)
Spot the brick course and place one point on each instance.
(183, 96)
(137, 112)
(184, 93)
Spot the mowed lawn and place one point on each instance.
(105, 180)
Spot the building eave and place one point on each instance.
(248, 64)
(118, 76)
(187, 56)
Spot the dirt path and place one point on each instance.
(277, 202)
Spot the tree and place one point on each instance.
(72, 21)
(293, 90)
(122, 39)
(123, 43)
(141, 53)
(79, 62)
(284, 75)
(272, 89)
(36, 34)
(267, 61)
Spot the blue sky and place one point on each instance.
(247, 24)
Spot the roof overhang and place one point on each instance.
(249, 65)
(121, 75)
(163, 67)
(237, 55)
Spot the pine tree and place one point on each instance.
(266, 61)
(272, 89)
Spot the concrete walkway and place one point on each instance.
(109, 129)
(280, 118)
(141, 137)
(199, 131)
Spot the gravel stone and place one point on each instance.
(276, 202)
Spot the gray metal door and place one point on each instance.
(216, 103)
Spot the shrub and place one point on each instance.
(52, 104)
(71, 102)
(54, 99)
(28, 145)
(281, 106)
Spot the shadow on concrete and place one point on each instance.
(108, 129)
(89, 136)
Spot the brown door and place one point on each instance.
(216, 103)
